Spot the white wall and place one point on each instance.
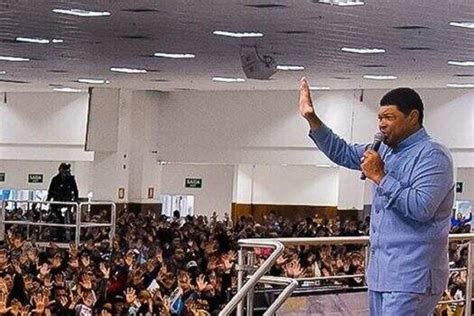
(216, 191)
(242, 127)
(43, 126)
(295, 185)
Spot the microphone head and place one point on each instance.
(379, 137)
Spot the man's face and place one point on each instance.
(395, 125)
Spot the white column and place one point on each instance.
(350, 190)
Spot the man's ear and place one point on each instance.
(414, 116)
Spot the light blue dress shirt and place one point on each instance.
(411, 211)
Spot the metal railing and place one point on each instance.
(246, 290)
(78, 224)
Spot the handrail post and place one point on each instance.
(469, 278)
(250, 294)
(240, 280)
(291, 285)
(366, 261)
(266, 265)
(113, 220)
(2, 219)
(78, 224)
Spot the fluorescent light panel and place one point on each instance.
(468, 25)
(238, 34)
(290, 67)
(460, 85)
(2, 72)
(467, 63)
(174, 55)
(228, 79)
(82, 13)
(35, 40)
(380, 77)
(343, 3)
(363, 50)
(12, 58)
(57, 40)
(67, 89)
(319, 88)
(93, 81)
(128, 70)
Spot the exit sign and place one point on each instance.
(35, 178)
(193, 183)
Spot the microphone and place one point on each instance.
(378, 139)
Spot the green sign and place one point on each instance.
(193, 183)
(35, 178)
(2, 176)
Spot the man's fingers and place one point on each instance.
(304, 91)
(304, 83)
(369, 153)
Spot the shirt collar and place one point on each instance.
(413, 139)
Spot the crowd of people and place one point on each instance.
(165, 266)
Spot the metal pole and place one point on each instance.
(262, 269)
(291, 285)
(250, 295)
(113, 221)
(78, 223)
(240, 279)
(469, 279)
(366, 262)
(2, 219)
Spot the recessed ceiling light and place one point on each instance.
(57, 40)
(341, 3)
(319, 88)
(2, 72)
(380, 77)
(237, 34)
(67, 89)
(468, 25)
(93, 81)
(174, 55)
(128, 70)
(466, 63)
(35, 40)
(228, 79)
(363, 50)
(460, 85)
(11, 58)
(83, 13)
(290, 67)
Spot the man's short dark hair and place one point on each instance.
(406, 100)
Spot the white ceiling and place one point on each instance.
(295, 32)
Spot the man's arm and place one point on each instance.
(420, 197)
(334, 147)
(74, 188)
(52, 189)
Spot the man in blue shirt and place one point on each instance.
(412, 202)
